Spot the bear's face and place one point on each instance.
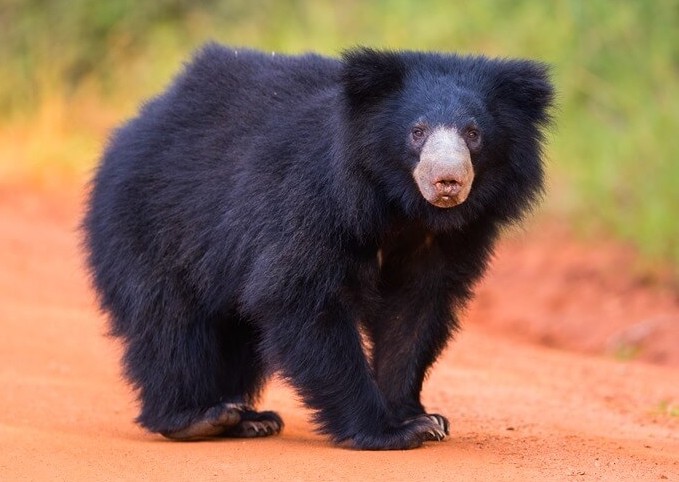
(444, 130)
(446, 136)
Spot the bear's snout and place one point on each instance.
(444, 173)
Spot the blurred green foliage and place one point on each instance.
(613, 154)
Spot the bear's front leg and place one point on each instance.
(407, 338)
(321, 354)
(414, 319)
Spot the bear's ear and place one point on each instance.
(525, 87)
(370, 75)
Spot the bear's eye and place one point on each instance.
(473, 137)
(417, 133)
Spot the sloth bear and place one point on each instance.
(270, 214)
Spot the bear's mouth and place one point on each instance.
(447, 201)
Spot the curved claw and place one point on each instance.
(441, 421)
(256, 424)
(434, 427)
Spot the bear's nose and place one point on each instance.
(448, 187)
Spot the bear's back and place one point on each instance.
(229, 97)
(234, 83)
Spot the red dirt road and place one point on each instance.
(519, 411)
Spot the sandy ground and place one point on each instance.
(520, 410)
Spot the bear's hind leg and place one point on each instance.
(240, 342)
(199, 378)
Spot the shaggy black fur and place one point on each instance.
(262, 211)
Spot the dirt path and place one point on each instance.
(519, 411)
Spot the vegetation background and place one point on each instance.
(73, 69)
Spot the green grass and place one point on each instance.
(667, 408)
(74, 68)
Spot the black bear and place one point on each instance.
(270, 213)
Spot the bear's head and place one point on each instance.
(448, 137)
